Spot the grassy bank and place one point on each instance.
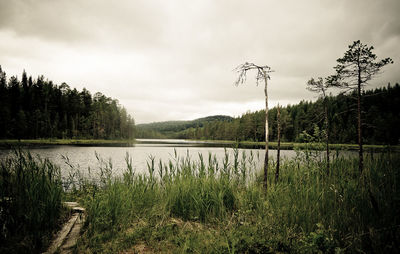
(293, 145)
(210, 206)
(11, 143)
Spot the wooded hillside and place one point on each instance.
(380, 111)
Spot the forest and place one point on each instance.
(38, 108)
(380, 113)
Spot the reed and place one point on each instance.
(206, 205)
(30, 202)
(201, 204)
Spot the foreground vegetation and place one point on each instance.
(206, 205)
(211, 206)
(30, 203)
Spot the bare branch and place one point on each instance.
(262, 72)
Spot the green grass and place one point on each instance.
(211, 206)
(30, 203)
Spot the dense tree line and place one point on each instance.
(380, 111)
(41, 109)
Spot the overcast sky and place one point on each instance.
(174, 60)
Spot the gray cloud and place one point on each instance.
(91, 21)
(168, 60)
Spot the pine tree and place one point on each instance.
(353, 71)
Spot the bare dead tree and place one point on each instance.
(320, 87)
(262, 75)
(278, 154)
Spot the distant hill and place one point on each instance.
(381, 116)
(169, 128)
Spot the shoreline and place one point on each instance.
(10, 143)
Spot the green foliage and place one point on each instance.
(40, 109)
(357, 67)
(30, 202)
(311, 146)
(319, 241)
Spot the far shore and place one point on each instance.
(11, 143)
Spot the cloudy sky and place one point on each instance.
(170, 60)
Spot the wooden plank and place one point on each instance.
(62, 234)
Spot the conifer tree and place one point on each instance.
(353, 71)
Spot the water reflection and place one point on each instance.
(84, 157)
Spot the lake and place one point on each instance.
(84, 157)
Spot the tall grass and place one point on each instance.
(204, 204)
(30, 202)
(207, 205)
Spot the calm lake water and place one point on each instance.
(84, 157)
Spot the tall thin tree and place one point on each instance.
(262, 75)
(320, 87)
(278, 154)
(353, 71)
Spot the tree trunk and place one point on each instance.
(279, 145)
(360, 145)
(327, 136)
(266, 134)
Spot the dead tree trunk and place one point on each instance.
(327, 136)
(279, 145)
(266, 132)
(320, 87)
(262, 74)
(360, 144)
